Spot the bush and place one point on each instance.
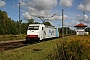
(73, 49)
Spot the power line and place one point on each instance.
(13, 15)
(11, 9)
(17, 10)
(11, 3)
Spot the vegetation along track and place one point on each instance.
(11, 45)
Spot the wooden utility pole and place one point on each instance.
(62, 25)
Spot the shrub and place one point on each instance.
(72, 49)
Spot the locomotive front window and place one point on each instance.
(33, 28)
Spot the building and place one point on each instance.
(80, 29)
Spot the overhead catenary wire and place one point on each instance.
(14, 9)
(9, 8)
(11, 3)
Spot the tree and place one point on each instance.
(24, 27)
(7, 25)
(47, 23)
(67, 31)
(30, 21)
(87, 29)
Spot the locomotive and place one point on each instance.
(38, 32)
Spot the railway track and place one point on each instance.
(11, 45)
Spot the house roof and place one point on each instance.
(80, 25)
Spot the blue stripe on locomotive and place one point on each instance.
(57, 32)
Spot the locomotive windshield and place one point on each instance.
(33, 27)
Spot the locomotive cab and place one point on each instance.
(34, 32)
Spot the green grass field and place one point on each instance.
(47, 49)
(38, 51)
(12, 37)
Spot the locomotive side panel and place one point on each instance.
(49, 32)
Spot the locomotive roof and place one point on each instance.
(40, 24)
(35, 24)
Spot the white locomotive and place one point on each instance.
(38, 32)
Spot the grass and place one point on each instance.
(51, 49)
(38, 51)
(11, 37)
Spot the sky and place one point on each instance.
(75, 11)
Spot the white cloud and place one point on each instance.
(38, 7)
(56, 17)
(69, 24)
(79, 18)
(85, 18)
(60, 17)
(27, 16)
(88, 20)
(44, 4)
(23, 3)
(2, 3)
(66, 3)
(84, 6)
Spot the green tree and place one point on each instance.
(3, 20)
(67, 31)
(30, 21)
(24, 27)
(47, 23)
(7, 26)
(87, 29)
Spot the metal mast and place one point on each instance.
(19, 21)
(62, 25)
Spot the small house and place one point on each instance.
(80, 29)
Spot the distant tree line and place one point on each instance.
(9, 26)
(67, 31)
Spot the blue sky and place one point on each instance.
(73, 10)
